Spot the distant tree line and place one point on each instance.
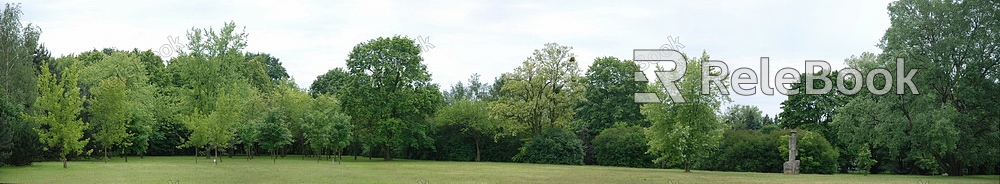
(216, 100)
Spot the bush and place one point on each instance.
(622, 145)
(19, 145)
(747, 151)
(817, 156)
(553, 146)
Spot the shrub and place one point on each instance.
(19, 144)
(816, 154)
(747, 151)
(553, 146)
(622, 145)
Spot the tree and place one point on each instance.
(541, 93)
(17, 69)
(952, 122)
(197, 122)
(19, 144)
(57, 110)
(141, 100)
(275, 71)
(390, 93)
(473, 117)
(609, 95)
(272, 134)
(622, 145)
(332, 82)
(327, 128)
(110, 114)
(742, 117)
(767, 120)
(608, 99)
(683, 133)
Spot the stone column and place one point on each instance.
(792, 165)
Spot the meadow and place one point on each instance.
(299, 169)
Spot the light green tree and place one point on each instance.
(683, 133)
(326, 127)
(272, 134)
(474, 118)
(58, 108)
(541, 93)
(18, 72)
(109, 109)
(197, 122)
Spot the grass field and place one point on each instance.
(295, 169)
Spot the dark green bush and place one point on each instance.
(19, 145)
(622, 145)
(747, 151)
(553, 146)
(817, 156)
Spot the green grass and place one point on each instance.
(294, 169)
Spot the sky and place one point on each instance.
(484, 37)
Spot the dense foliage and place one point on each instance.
(622, 145)
(552, 146)
(747, 151)
(215, 99)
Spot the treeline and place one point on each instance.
(216, 100)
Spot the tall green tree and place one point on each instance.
(142, 95)
(273, 134)
(275, 71)
(608, 99)
(326, 127)
(197, 122)
(473, 117)
(110, 114)
(683, 133)
(541, 93)
(465, 108)
(952, 123)
(390, 93)
(609, 95)
(332, 82)
(57, 110)
(18, 74)
(741, 117)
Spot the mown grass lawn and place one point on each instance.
(295, 169)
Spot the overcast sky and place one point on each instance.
(485, 37)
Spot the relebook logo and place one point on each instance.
(745, 81)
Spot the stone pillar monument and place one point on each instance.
(792, 165)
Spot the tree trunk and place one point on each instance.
(687, 167)
(196, 154)
(105, 154)
(216, 155)
(126, 157)
(64, 161)
(478, 150)
(388, 154)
